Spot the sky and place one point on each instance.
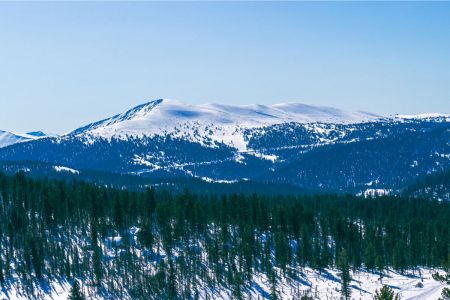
(63, 65)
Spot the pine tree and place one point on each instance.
(172, 289)
(343, 266)
(273, 285)
(75, 292)
(97, 264)
(386, 293)
(370, 257)
(379, 264)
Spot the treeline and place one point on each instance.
(157, 245)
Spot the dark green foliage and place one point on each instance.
(370, 258)
(344, 267)
(181, 245)
(75, 292)
(386, 293)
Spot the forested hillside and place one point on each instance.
(436, 186)
(36, 169)
(156, 245)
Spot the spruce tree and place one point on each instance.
(386, 293)
(343, 266)
(370, 258)
(75, 292)
(273, 285)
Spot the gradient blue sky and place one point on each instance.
(66, 64)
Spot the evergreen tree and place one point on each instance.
(344, 268)
(97, 264)
(75, 292)
(273, 285)
(370, 259)
(386, 293)
(172, 290)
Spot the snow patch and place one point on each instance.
(271, 157)
(210, 180)
(65, 169)
(374, 193)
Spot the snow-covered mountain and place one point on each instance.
(425, 117)
(10, 138)
(311, 147)
(217, 122)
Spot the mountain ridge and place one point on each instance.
(211, 122)
(9, 138)
(260, 114)
(150, 113)
(228, 143)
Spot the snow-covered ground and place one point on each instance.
(327, 285)
(321, 286)
(412, 284)
(55, 291)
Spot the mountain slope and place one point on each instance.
(390, 162)
(315, 148)
(211, 122)
(9, 138)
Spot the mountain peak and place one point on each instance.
(38, 133)
(161, 116)
(135, 112)
(10, 138)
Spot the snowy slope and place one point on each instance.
(218, 122)
(319, 286)
(9, 138)
(303, 113)
(425, 117)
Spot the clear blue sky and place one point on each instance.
(65, 64)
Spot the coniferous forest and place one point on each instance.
(161, 245)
